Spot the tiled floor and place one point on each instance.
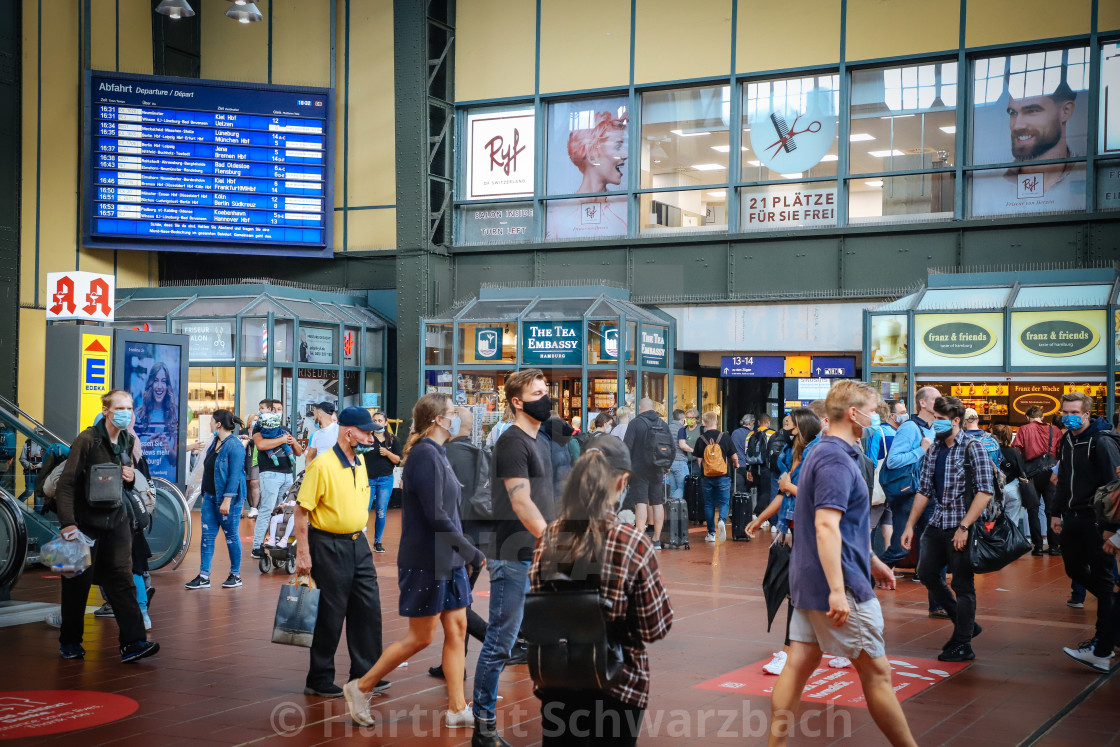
(218, 679)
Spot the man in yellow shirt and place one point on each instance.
(331, 512)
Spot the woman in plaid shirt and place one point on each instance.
(586, 540)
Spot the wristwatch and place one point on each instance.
(962, 527)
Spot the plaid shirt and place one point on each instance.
(631, 581)
(956, 494)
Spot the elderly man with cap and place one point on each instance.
(331, 513)
(323, 439)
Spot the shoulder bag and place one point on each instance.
(997, 544)
(1042, 463)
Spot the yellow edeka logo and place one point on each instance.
(1059, 338)
(958, 339)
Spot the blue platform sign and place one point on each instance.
(833, 368)
(552, 343)
(759, 366)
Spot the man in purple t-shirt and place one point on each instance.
(834, 604)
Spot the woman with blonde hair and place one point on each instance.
(433, 564)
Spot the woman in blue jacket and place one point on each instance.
(223, 493)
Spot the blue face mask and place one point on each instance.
(456, 424)
(876, 421)
(942, 426)
(360, 449)
(1072, 422)
(378, 428)
(902, 418)
(123, 418)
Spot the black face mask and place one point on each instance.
(539, 410)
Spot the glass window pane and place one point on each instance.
(372, 353)
(209, 388)
(1108, 181)
(588, 146)
(254, 339)
(684, 392)
(554, 309)
(216, 306)
(210, 340)
(437, 345)
(789, 128)
(317, 344)
(776, 206)
(147, 308)
(488, 342)
(1109, 128)
(264, 304)
(1033, 107)
(507, 223)
(496, 309)
(654, 387)
(685, 136)
(898, 199)
(483, 390)
(655, 346)
(712, 399)
(282, 330)
(1057, 188)
(254, 380)
(603, 340)
(695, 211)
(372, 393)
(903, 118)
(587, 218)
(499, 157)
(306, 310)
(438, 381)
(351, 346)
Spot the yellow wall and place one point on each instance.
(763, 45)
(588, 44)
(674, 40)
(1001, 22)
(889, 28)
(494, 49)
(1108, 16)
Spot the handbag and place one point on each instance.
(296, 612)
(571, 646)
(990, 548)
(105, 490)
(1042, 463)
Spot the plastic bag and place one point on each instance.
(67, 557)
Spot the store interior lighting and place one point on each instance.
(244, 13)
(175, 9)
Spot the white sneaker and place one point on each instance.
(839, 662)
(464, 718)
(765, 524)
(252, 513)
(147, 622)
(358, 703)
(710, 537)
(721, 531)
(54, 619)
(1086, 656)
(773, 529)
(777, 664)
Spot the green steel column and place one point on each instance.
(11, 33)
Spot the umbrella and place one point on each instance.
(775, 582)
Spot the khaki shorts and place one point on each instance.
(862, 632)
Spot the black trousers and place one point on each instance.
(343, 570)
(1045, 490)
(111, 566)
(573, 719)
(937, 552)
(1028, 493)
(763, 482)
(1089, 565)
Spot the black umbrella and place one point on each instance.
(775, 582)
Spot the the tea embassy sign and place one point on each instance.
(654, 346)
(552, 343)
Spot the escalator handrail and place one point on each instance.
(41, 429)
(9, 577)
(173, 490)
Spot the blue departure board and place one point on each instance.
(207, 166)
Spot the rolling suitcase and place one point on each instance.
(674, 535)
(741, 507)
(694, 499)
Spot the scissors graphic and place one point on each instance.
(786, 134)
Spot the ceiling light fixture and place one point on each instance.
(829, 157)
(885, 153)
(682, 133)
(720, 194)
(707, 167)
(791, 176)
(722, 148)
(175, 9)
(874, 183)
(755, 163)
(860, 137)
(950, 130)
(246, 13)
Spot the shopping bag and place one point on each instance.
(67, 557)
(296, 612)
(990, 549)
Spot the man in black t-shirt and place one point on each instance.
(521, 492)
(716, 488)
(275, 474)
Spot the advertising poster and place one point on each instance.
(1030, 107)
(152, 373)
(1109, 135)
(1026, 396)
(889, 341)
(316, 345)
(500, 154)
(1059, 339)
(210, 341)
(587, 218)
(792, 126)
(496, 224)
(958, 340)
(777, 206)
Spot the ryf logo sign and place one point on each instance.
(501, 152)
(791, 134)
(86, 296)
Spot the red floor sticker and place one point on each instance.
(34, 713)
(838, 686)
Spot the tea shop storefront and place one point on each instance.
(1002, 342)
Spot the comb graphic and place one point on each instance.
(783, 132)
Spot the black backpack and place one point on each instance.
(479, 506)
(756, 447)
(660, 444)
(774, 449)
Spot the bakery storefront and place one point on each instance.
(1001, 342)
(598, 350)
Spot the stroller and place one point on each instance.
(282, 554)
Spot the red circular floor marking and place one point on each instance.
(35, 713)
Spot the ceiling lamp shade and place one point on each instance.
(246, 13)
(175, 9)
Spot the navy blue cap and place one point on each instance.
(357, 417)
(326, 406)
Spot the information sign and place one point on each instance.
(764, 366)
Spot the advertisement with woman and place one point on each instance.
(152, 372)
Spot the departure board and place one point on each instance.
(190, 165)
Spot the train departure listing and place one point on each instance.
(207, 164)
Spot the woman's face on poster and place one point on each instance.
(606, 160)
(160, 385)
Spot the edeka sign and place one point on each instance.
(655, 346)
(552, 343)
(96, 351)
(1049, 339)
(488, 343)
(965, 340)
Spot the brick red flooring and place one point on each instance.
(218, 679)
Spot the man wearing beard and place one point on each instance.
(1037, 127)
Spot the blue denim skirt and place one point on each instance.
(425, 595)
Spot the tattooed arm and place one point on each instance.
(523, 506)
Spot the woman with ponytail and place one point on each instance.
(433, 564)
(588, 544)
(223, 494)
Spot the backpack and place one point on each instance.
(715, 465)
(54, 460)
(773, 451)
(479, 506)
(756, 446)
(660, 444)
(1106, 503)
(902, 480)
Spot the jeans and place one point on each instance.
(900, 509)
(141, 593)
(212, 520)
(937, 551)
(29, 479)
(1012, 501)
(509, 581)
(1029, 499)
(1045, 490)
(380, 491)
(678, 470)
(717, 493)
(1087, 564)
(273, 486)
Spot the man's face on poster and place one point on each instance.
(1038, 124)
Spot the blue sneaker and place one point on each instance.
(138, 650)
(72, 651)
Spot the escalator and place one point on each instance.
(23, 531)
